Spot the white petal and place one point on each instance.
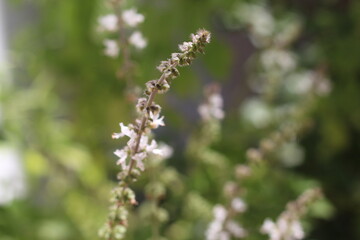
(111, 48)
(122, 158)
(235, 229)
(152, 146)
(268, 226)
(132, 18)
(238, 205)
(165, 150)
(117, 135)
(139, 157)
(143, 142)
(297, 230)
(137, 40)
(127, 131)
(108, 22)
(220, 212)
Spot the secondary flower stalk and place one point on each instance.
(122, 33)
(288, 226)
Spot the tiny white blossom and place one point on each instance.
(137, 40)
(300, 83)
(108, 22)
(175, 57)
(152, 146)
(156, 121)
(213, 230)
(260, 21)
(297, 230)
(284, 228)
(164, 150)
(212, 109)
(220, 212)
(282, 225)
(143, 142)
(235, 229)
(132, 18)
(268, 226)
(238, 205)
(111, 48)
(185, 46)
(139, 157)
(216, 100)
(122, 154)
(276, 59)
(257, 112)
(125, 131)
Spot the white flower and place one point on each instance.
(143, 144)
(132, 18)
(297, 230)
(111, 48)
(219, 212)
(175, 57)
(291, 154)
(152, 147)
(276, 59)
(238, 205)
(282, 225)
(156, 121)
(213, 230)
(137, 40)
(139, 157)
(300, 83)
(12, 179)
(216, 100)
(125, 131)
(164, 150)
(186, 46)
(235, 229)
(259, 19)
(108, 22)
(122, 154)
(270, 228)
(257, 113)
(212, 109)
(284, 228)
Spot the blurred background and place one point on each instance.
(61, 99)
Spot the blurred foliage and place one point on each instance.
(65, 101)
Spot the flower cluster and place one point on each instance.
(223, 227)
(120, 22)
(288, 226)
(212, 108)
(305, 82)
(139, 146)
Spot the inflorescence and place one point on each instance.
(288, 226)
(139, 145)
